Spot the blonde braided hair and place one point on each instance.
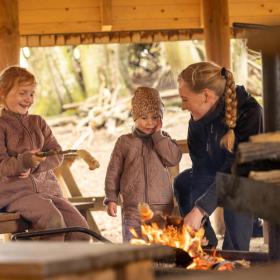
(228, 139)
(202, 75)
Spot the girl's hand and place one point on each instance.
(194, 218)
(159, 125)
(24, 174)
(35, 159)
(112, 209)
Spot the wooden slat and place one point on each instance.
(156, 24)
(72, 186)
(158, 12)
(33, 41)
(50, 4)
(4, 216)
(106, 15)
(183, 145)
(154, 2)
(256, 8)
(98, 274)
(83, 205)
(43, 260)
(137, 271)
(266, 20)
(47, 40)
(60, 27)
(59, 15)
(11, 222)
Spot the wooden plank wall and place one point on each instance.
(255, 11)
(71, 16)
(78, 21)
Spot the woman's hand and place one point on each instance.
(24, 174)
(112, 209)
(194, 218)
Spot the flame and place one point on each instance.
(177, 235)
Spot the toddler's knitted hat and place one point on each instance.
(146, 100)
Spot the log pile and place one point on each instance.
(259, 158)
(258, 194)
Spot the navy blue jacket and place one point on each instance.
(204, 136)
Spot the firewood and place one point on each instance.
(272, 176)
(266, 137)
(257, 151)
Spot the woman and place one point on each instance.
(222, 115)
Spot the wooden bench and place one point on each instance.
(13, 222)
(72, 192)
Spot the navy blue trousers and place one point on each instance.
(188, 188)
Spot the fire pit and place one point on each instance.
(187, 244)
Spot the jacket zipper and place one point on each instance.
(146, 198)
(32, 144)
(208, 144)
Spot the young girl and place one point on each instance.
(27, 182)
(137, 170)
(222, 116)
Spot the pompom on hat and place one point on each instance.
(146, 100)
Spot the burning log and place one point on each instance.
(171, 231)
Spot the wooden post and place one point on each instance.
(217, 31)
(271, 89)
(9, 33)
(215, 21)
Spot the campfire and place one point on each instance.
(171, 231)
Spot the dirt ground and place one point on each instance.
(100, 145)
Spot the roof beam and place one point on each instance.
(106, 15)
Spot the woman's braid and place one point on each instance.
(230, 110)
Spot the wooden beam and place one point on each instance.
(9, 33)
(106, 15)
(217, 31)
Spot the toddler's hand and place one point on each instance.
(159, 125)
(112, 209)
(24, 174)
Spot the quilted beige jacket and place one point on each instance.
(19, 134)
(138, 171)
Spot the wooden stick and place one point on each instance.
(52, 153)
